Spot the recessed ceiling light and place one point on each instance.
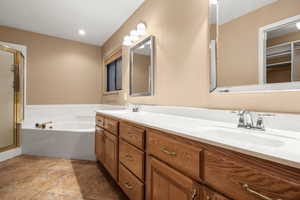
(81, 32)
(298, 25)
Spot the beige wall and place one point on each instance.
(238, 49)
(182, 70)
(58, 71)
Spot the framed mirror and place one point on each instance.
(142, 68)
(254, 45)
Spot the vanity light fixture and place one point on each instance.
(81, 32)
(141, 29)
(127, 41)
(298, 25)
(135, 34)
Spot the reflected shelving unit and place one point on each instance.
(282, 61)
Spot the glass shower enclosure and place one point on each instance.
(11, 97)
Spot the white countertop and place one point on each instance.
(275, 145)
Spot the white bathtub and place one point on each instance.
(71, 140)
(73, 133)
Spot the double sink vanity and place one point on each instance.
(157, 156)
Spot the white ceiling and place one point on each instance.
(232, 9)
(63, 18)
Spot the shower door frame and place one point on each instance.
(17, 97)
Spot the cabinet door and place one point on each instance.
(166, 183)
(111, 154)
(99, 144)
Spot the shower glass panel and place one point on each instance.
(11, 96)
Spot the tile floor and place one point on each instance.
(41, 178)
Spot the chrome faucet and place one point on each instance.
(136, 108)
(246, 120)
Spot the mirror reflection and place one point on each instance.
(141, 68)
(255, 45)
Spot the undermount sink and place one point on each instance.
(244, 136)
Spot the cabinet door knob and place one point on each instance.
(251, 191)
(194, 194)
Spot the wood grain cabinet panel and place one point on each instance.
(99, 144)
(100, 121)
(111, 154)
(132, 187)
(166, 183)
(132, 158)
(133, 135)
(208, 194)
(111, 125)
(183, 157)
(241, 180)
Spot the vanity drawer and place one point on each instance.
(133, 135)
(132, 158)
(239, 179)
(111, 125)
(132, 187)
(99, 120)
(180, 155)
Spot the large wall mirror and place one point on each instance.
(142, 68)
(255, 45)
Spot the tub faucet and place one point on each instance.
(42, 125)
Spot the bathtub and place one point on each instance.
(72, 135)
(71, 140)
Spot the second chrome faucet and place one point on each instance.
(246, 120)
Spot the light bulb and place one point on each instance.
(127, 38)
(127, 42)
(81, 32)
(298, 25)
(141, 29)
(134, 36)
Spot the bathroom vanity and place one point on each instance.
(155, 162)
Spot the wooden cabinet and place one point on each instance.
(242, 180)
(182, 156)
(100, 121)
(132, 187)
(111, 125)
(132, 158)
(208, 194)
(133, 135)
(99, 144)
(178, 168)
(111, 154)
(166, 183)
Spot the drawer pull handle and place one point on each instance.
(128, 157)
(170, 153)
(128, 186)
(248, 189)
(194, 194)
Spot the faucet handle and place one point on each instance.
(266, 115)
(239, 112)
(260, 123)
